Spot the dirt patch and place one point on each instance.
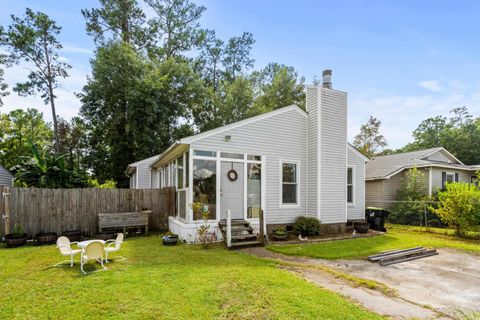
(402, 305)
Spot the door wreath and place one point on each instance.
(232, 174)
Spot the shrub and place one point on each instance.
(459, 206)
(307, 226)
(18, 231)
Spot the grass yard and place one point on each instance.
(157, 282)
(397, 237)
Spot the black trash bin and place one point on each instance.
(376, 217)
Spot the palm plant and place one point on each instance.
(44, 170)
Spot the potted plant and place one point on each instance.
(105, 235)
(362, 227)
(45, 238)
(16, 239)
(170, 239)
(73, 235)
(279, 234)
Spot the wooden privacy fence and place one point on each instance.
(58, 210)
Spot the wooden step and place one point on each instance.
(244, 236)
(236, 229)
(223, 223)
(245, 244)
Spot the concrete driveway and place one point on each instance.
(448, 282)
(437, 287)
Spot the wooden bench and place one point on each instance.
(123, 220)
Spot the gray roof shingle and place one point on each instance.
(382, 166)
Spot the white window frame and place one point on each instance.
(297, 177)
(351, 204)
(451, 174)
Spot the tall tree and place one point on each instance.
(17, 129)
(176, 25)
(460, 134)
(3, 84)
(133, 107)
(73, 139)
(33, 39)
(370, 141)
(211, 59)
(118, 20)
(237, 58)
(277, 86)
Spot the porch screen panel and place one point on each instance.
(180, 173)
(182, 198)
(254, 189)
(205, 186)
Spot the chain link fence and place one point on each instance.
(413, 213)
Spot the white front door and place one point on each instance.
(231, 189)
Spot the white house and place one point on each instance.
(288, 162)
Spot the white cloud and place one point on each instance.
(401, 114)
(67, 104)
(75, 49)
(431, 85)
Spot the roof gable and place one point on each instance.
(382, 167)
(240, 123)
(441, 155)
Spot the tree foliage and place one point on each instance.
(3, 85)
(176, 26)
(17, 129)
(133, 107)
(370, 141)
(459, 134)
(34, 39)
(117, 20)
(46, 170)
(459, 206)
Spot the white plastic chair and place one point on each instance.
(114, 245)
(65, 248)
(93, 251)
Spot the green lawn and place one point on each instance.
(157, 282)
(397, 237)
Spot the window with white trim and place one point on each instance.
(450, 177)
(289, 183)
(350, 185)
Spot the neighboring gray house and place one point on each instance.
(6, 178)
(384, 174)
(288, 162)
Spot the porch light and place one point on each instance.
(228, 138)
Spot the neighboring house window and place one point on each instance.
(448, 177)
(289, 183)
(350, 185)
(474, 180)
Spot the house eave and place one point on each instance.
(170, 154)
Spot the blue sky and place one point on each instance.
(400, 61)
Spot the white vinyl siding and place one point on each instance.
(312, 151)
(280, 136)
(6, 179)
(333, 156)
(356, 210)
